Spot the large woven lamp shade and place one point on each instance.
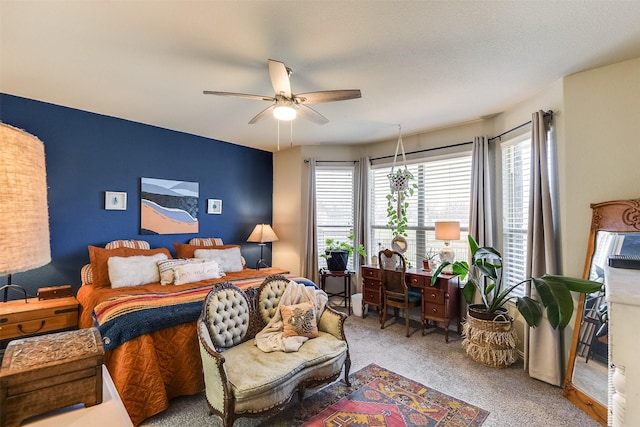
(24, 217)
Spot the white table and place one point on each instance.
(110, 413)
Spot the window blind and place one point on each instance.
(334, 206)
(516, 162)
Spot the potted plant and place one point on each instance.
(337, 253)
(429, 262)
(401, 188)
(488, 333)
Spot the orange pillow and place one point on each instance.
(185, 250)
(299, 320)
(100, 256)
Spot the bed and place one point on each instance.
(152, 353)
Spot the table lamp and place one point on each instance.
(262, 234)
(24, 216)
(447, 231)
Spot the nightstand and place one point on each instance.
(20, 319)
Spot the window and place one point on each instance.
(516, 164)
(442, 195)
(334, 206)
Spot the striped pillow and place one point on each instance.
(132, 244)
(206, 241)
(86, 274)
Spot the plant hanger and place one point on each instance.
(400, 189)
(399, 181)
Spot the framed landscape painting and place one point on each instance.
(168, 207)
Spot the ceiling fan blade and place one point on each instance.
(327, 96)
(280, 78)
(267, 112)
(241, 95)
(311, 114)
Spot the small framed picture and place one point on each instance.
(115, 200)
(214, 206)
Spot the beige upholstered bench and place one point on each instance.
(243, 381)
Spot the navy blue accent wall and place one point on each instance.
(88, 154)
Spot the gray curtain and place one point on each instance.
(310, 266)
(481, 211)
(361, 212)
(543, 345)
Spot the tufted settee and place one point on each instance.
(243, 381)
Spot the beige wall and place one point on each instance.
(288, 203)
(601, 149)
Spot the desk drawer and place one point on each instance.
(371, 295)
(415, 280)
(434, 296)
(371, 273)
(435, 310)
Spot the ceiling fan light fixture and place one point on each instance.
(284, 112)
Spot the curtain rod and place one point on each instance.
(426, 149)
(546, 113)
(334, 161)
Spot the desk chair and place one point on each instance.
(395, 292)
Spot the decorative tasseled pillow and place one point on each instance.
(299, 320)
(194, 272)
(166, 268)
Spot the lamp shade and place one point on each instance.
(24, 217)
(262, 233)
(447, 230)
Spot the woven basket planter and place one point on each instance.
(490, 342)
(399, 181)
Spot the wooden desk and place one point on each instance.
(440, 303)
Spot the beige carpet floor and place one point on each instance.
(511, 397)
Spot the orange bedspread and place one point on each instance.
(150, 370)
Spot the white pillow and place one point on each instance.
(229, 259)
(134, 270)
(166, 268)
(194, 272)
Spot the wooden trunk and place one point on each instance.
(49, 372)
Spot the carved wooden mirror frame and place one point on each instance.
(617, 216)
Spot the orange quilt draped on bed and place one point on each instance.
(151, 369)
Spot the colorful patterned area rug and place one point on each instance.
(378, 397)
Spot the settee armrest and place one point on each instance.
(332, 321)
(217, 387)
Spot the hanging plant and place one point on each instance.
(397, 204)
(401, 188)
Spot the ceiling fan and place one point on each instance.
(286, 105)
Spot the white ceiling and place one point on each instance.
(421, 64)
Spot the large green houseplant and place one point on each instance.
(484, 274)
(337, 252)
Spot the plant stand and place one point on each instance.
(490, 342)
